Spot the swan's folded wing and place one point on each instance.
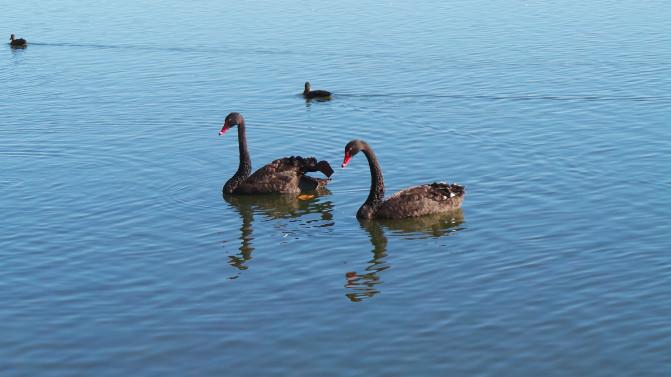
(422, 200)
(284, 175)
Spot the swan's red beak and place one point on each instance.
(346, 160)
(224, 129)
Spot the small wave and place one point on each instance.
(180, 194)
(9, 182)
(33, 153)
(211, 49)
(110, 46)
(531, 97)
(202, 49)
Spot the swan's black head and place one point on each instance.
(11, 37)
(307, 87)
(351, 149)
(232, 119)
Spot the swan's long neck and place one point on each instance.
(376, 193)
(245, 166)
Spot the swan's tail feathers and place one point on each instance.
(457, 190)
(450, 190)
(325, 168)
(311, 164)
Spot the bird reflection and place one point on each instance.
(273, 207)
(364, 285)
(310, 101)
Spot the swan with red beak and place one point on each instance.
(282, 176)
(433, 198)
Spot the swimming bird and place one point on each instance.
(437, 197)
(17, 42)
(309, 94)
(283, 176)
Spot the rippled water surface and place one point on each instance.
(119, 255)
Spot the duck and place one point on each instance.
(427, 199)
(310, 94)
(20, 42)
(282, 176)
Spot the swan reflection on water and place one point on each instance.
(363, 285)
(273, 207)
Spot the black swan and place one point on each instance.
(411, 202)
(309, 94)
(17, 42)
(282, 176)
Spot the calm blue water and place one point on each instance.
(119, 256)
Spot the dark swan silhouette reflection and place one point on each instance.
(363, 285)
(273, 206)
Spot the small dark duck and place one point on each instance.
(310, 94)
(14, 42)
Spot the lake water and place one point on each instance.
(120, 257)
